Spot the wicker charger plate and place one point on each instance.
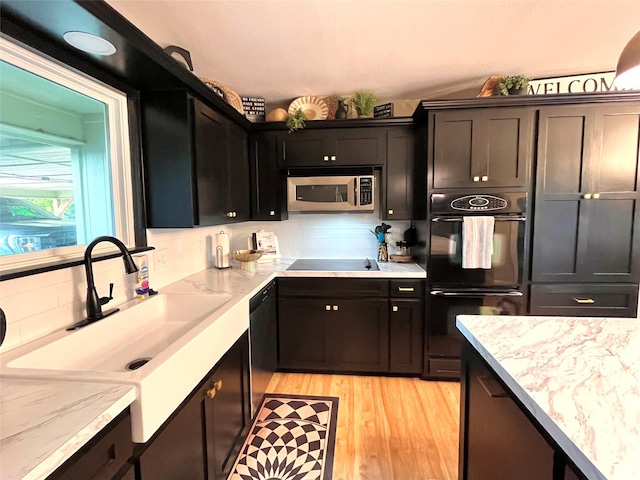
(314, 108)
(232, 97)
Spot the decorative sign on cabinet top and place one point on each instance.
(586, 83)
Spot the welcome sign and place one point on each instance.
(587, 83)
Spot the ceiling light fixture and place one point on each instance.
(89, 43)
(628, 70)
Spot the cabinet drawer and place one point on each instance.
(102, 457)
(333, 287)
(594, 300)
(446, 368)
(406, 288)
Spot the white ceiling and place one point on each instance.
(400, 49)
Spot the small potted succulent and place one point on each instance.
(513, 85)
(296, 120)
(363, 102)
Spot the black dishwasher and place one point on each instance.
(264, 342)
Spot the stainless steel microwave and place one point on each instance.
(331, 193)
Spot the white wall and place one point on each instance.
(38, 305)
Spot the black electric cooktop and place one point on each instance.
(334, 265)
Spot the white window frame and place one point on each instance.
(119, 150)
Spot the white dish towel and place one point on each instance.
(477, 242)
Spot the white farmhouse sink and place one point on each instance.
(139, 332)
(182, 334)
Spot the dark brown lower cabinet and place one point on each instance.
(406, 321)
(334, 334)
(105, 457)
(498, 441)
(201, 440)
(350, 325)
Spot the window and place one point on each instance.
(64, 161)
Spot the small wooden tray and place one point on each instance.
(401, 258)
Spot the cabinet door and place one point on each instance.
(406, 321)
(210, 137)
(586, 215)
(239, 204)
(302, 333)
(103, 457)
(307, 148)
(399, 175)
(482, 147)
(506, 145)
(498, 441)
(358, 335)
(454, 150)
(268, 185)
(358, 146)
(179, 451)
(227, 410)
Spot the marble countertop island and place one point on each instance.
(43, 423)
(580, 379)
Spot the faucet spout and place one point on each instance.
(94, 308)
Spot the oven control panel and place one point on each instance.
(479, 202)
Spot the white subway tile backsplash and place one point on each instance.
(38, 305)
(30, 303)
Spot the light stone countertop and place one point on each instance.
(579, 377)
(43, 423)
(54, 417)
(236, 281)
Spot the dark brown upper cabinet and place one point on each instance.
(196, 164)
(333, 147)
(268, 182)
(398, 193)
(586, 195)
(481, 147)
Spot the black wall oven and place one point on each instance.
(455, 290)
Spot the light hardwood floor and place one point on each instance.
(388, 428)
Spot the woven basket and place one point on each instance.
(233, 98)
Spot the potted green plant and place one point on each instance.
(513, 85)
(296, 120)
(363, 101)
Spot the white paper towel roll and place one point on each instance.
(222, 250)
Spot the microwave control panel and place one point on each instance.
(366, 190)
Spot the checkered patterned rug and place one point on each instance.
(292, 438)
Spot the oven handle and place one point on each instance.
(498, 219)
(510, 293)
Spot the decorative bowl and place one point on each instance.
(247, 258)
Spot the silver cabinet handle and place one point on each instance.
(476, 179)
(586, 196)
(335, 307)
(485, 178)
(272, 212)
(326, 158)
(394, 308)
(390, 212)
(596, 195)
(333, 158)
(406, 289)
(327, 307)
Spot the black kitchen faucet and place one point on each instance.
(94, 303)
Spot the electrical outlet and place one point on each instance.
(160, 258)
(200, 247)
